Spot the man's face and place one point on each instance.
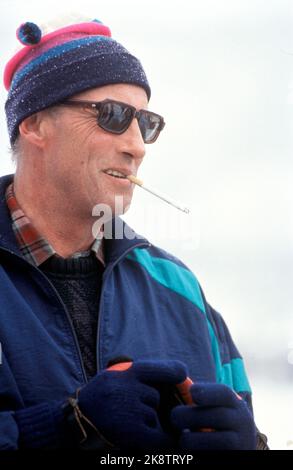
(79, 151)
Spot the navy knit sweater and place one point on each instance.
(78, 282)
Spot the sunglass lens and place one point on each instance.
(114, 117)
(150, 126)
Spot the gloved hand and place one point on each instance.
(219, 420)
(123, 405)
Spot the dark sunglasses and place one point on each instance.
(116, 117)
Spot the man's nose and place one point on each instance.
(132, 141)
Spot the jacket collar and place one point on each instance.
(7, 236)
(122, 239)
(119, 237)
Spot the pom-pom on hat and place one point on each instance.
(29, 34)
(53, 67)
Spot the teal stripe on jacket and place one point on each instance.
(183, 282)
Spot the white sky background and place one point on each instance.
(221, 74)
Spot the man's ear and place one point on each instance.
(34, 129)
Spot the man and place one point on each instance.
(74, 305)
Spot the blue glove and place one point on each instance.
(225, 420)
(123, 405)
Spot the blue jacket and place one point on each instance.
(151, 307)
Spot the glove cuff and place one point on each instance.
(40, 426)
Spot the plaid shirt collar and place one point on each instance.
(33, 246)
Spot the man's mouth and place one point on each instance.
(115, 173)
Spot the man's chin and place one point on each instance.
(103, 213)
(119, 205)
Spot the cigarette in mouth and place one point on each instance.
(173, 203)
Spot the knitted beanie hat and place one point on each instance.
(53, 67)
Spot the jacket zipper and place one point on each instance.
(146, 244)
(63, 306)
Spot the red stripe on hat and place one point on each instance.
(67, 33)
